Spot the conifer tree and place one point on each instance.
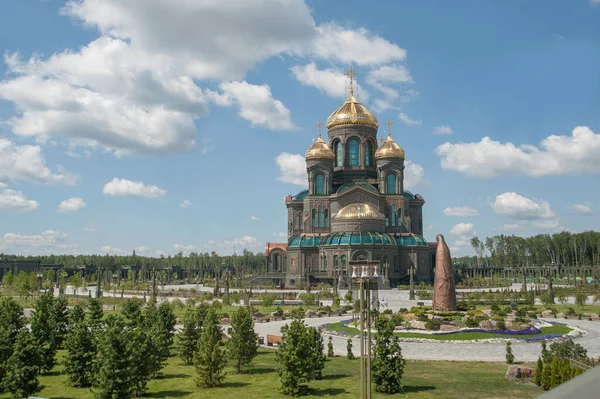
(187, 339)
(152, 325)
(546, 356)
(142, 363)
(330, 347)
(210, 359)
(95, 314)
(242, 346)
(12, 321)
(76, 315)
(388, 363)
(22, 368)
(43, 330)
(132, 311)
(565, 370)
(545, 381)
(350, 354)
(510, 357)
(295, 357)
(555, 374)
(539, 367)
(80, 354)
(318, 355)
(59, 321)
(113, 377)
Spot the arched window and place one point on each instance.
(353, 152)
(314, 218)
(393, 215)
(343, 259)
(391, 183)
(320, 212)
(399, 220)
(320, 184)
(369, 154)
(335, 262)
(338, 154)
(326, 217)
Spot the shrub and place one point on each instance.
(397, 319)
(217, 305)
(471, 322)
(501, 325)
(433, 325)
(571, 312)
(422, 317)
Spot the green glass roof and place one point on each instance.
(408, 240)
(366, 186)
(300, 196)
(357, 238)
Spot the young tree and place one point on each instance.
(546, 379)
(318, 355)
(210, 359)
(76, 315)
(546, 356)
(539, 367)
(330, 347)
(23, 366)
(350, 354)
(388, 363)
(80, 354)
(95, 314)
(12, 321)
(187, 339)
(580, 299)
(132, 311)
(43, 330)
(242, 345)
(142, 366)
(555, 373)
(59, 320)
(295, 358)
(510, 357)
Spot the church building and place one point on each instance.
(355, 208)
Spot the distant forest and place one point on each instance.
(569, 249)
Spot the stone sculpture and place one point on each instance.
(444, 287)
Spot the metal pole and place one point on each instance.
(368, 371)
(362, 340)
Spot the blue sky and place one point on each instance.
(178, 125)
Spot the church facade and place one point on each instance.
(355, 208)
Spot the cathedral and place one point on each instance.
(355, 208)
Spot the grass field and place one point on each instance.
(341, 380)
(460, 336)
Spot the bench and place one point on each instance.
(273, 340)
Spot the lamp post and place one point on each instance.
(365, 275)
(411, 271)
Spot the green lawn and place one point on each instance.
(341, 380)
(460, 336)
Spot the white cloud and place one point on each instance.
(257, 105)
(583, 209)
(16, 200)
(280, 235)
(413, 174)
(50, 241)
(185, 203)
(107, 249)
(26, 162)
(255, 218)
(462, 243)
(244, 242)
(330, 81)
(445, 129)
(548, 224)
(454, 249)
(595, 2)
(292, 168)
(407, 121)
(519, 207)
(430, 227)
(358, 46)
(160, 253)
(122, 187)
(389, 74)
(183, 247)
(556, 155)
(463, 229)
(141, 249)
(71, 205)
(461, 211)
(89, 228)
(511, 227)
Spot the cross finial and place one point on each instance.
(319, 124)
(389, 125)
(351, 74)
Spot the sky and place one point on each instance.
(181, 125)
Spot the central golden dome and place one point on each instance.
(389, 149)
(352, 112)
(358, 210)
(319, 150)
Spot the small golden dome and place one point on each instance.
(319, 150)
(389, 149)
(358, 210)
(352, 113)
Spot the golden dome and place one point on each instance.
(352, 113)
(358, 210)
(389, 149)
(319, 150)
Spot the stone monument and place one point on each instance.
(444, 288)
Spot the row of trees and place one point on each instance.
(554, 365)
(572, 249)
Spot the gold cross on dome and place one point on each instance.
(389, 125)
(351, 74)
(319, 124)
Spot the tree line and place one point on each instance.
(564, 248)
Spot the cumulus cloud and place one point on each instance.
(330, 81)
(124, 187)
(445, 129)
(583, 209)
(292, 169)
(407, 121)
(413, 174)
(141, 249)
(183, 247)
(185, 203)
(255, 218)
(16, 200)
(518, 207)
(463, 229)
(26, 162)
(511, 227)
(107, 249)
(71, 205)
(257, 105)
(50, 241)
(244, 242)
(556, 155)
(462, 211)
